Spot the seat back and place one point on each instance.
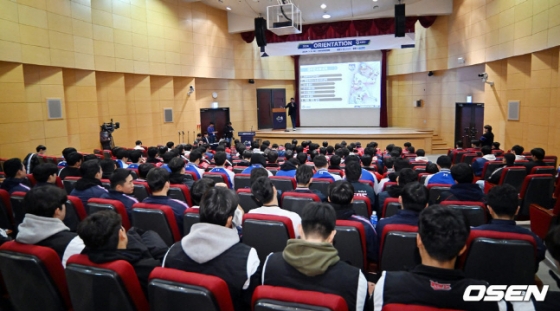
(267, 233)
(350, 242)
(107, 154)
(16, 199)
(422, 177)
(475, 212)
(180, 192)
(218, 177)
(141, 190)
(31, 179)
(551, 160)
(489, 167)
(367, 182)
(247, 200)
(512, 257)
(513, 175)
(274, 298)
(398, 250)
(159, 218)
(107, 286)
(96, 204)
(390, 207)
(296, 201)
(419, 169)
(190, 218)
(468, 158)
(362, 206)
(321, 184)
(403, 307)
(536, 189)
(388, 184)
(69, 182)
(6, 212)
(543, 170)
(459, 156)
(34, 277)
(283, 183)
(75, 212)
(435, 191)
(170, 288)
(106, 183)
(241, 181)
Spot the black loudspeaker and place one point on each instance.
(251, 81)
(400, 20)
(260, 28)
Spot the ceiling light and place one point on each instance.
(325, 16)
(374, 0)
(323, 6)
(228, 8)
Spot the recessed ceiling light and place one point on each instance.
(374, 0)
(323, 6)
(325, 16)
(228, 8)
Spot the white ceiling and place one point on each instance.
(338, 9)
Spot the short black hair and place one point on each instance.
(44, 201)
(496, 145)
(459, 144)
(488, 127)
(486, 150)
(188, 147)
(443, 231)
(119, 177)
(407, 144)
(68, 150)
(462, 173)
(143, 169)
(400, 164)
(90, 168)
(476, 143)
(411, 149)
(258, 158)
(40, 147)
(366, 160)
(304, 174)
(73, 158)
(199, 188)
(88, 157)
(152, 152)
(320, 161)
(301, 157)
(123, 153)
(504, 200)
(135, 156)
(272, 156)
(420, 152)
(353, 171)
(108, 166)
(162, 150)
(318, 220)
(444, 161)
(176, 165)
(325, 143)
(247, 154)
(510, 159)
(195, 155)
(157, 177)
(263, 190)
(407, 175)
(552, 241)
(220, 158)
(12, 166)
(138, 142)
(43, 171)
(518, 149)
(335, 160)
(431, 168)
(168, 156)
(217, 205)
(100, 230)
(538, 153)
(341, 192)
(414, 196)
(170, 144)
(256, 173)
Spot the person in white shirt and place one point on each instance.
(518, 151)
(138, 145)
(421, 156)
(264, 192)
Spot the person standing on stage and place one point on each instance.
(228, 132)
(292, 107)
(211, 133)
(488, 137)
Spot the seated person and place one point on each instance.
(478, 164)
(518, 151)
(73, 162)
(158, 180)
(65, 152)
(43, 224)
(122, 189)
(194, 160)
(167, 157)
(321, 170)
(136, 159)
(322, 270)
(475, 146)
(442, 235)
(257, 160)
(221, 158)
(152, 155)
(405, 176)
(413, 199)
(443, 176)
(89, 186)
(213, 248)
(537, 157)
(366, 175)
(272, 159)
(265, 193)
(421, 156)
(138, 146)
(398, 165)
(198, 190)
(178, 176)
(122, 158)
(245, 157)
(503, 206)
(31, 160)
(45, 174)
(494, 178)
(432, 168)
(334, 162)
(304, 177)
(143, 171)
(464, 189)
(288, 168)
(108, 166)
(353, 172)
(552, 299)
(106, 241)
(367, 165)
(341, 196)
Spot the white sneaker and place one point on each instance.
(293, 129)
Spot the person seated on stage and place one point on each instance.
(478, 164)
(246, 158)
(136, 159)
(421, 156)
(158, 180)
(405, 176)
(444, 173)
(463, 189)
(89, 186)
(503, 206)
(272, 159)
(220, 159)
(73, 162)
(178, 176)
(108, 166)
(475, 146)
(321, 170)
(43, 224)
(341, 196)
(334, 162)
(442, 235)
(194, 160)
(213, 248)
(257, 160)
(45, 174)
(65, 152)
(15, 176)
(353, 172)
(322, 271)
(304, 177)
(122, 157)
(288, 168)
(518, 151)
(152, 155)
(537, 157)
(143, 171)
(265, 193)
(122, 189)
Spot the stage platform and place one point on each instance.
(420, 138)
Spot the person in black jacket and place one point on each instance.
(537, 157)
(32, 160)
(45, 174)
(464, 189)
(228, 132)
(487, 137)
(292, 110)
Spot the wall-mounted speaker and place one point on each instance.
(513, 110)
(260, 29)
(168, 115)
(54, 107)
(400, 20)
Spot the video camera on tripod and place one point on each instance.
(105, 135)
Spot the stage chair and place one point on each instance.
(403, 307)
(543, 170)
(180, 192)
(350, 242)
(190, 218)
(159, 218)
(398, 250)
(69, 183)
(117, 278)
(218, 177)
(390, 207)
(246, 200)
(296, 201)
(75, 212)
(475, 212)
(273, 298)
(267, 233)
(96, 204)
(43, 287)
(141, 190)
(6, 212)
(536, 189)
(321, 184)
(16, 199)
(242, 181)
(362, 206)
(435, 191)
(284, 184)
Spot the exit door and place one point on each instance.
(469, 121)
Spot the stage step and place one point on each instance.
(439, 146)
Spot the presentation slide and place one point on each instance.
(352, 85)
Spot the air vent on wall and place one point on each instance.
(54, 107)
(513, 110)
(168, 115)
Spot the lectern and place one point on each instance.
(246, 137)
(278, 118)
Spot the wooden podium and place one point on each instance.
(278, 118)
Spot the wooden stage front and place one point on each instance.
(419, 138)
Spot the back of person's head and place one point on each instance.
(320, 161)
(44, 201)
(220, 158)
(538, 153)
(12, 167)
(299, 149)
(486, 150)
(170, 144)
(176, 165)
(462, 173)
(240, 148)
(325, 143)
(389, 148)
(444, 161)
(330, 149)
(504, 200)
(43, 171)
(247, 154)
(353, 171)
(510, 159)
(496, 145)
(411, 149)
(40, 148)
(119, 176)
(397, 151)
(475, 143)
(152, 152)
(199, 188)
(217, 205)
(431, 168)
(157, 178)
(123, 153)
(108, 166)
(195, 155)
(341, 192)
(406, 176)
(366, 160)
(67, 151)
(255, 145)
(162, 150)
(304, 174)
(256, 173)
(263, 147)
(263, 190)
(318, 220)
(443, 232)
(335, 160)
(168, 156)
(90, 168)
(258, 158)
(73, 158)
(188, 147)
(301, 157)
(135, 156)
(388, 162)
(272, 156)
(552, 241)
(294, 142)
(407, 144)
(144, 169)
(518, 150)
(400, 164)
(138, 143)
(414, 196)
(420, 152)
(352, 158)
(88, 157)
(459, 144)
(100, 230)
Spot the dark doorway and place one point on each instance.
(266, 100)
(469, 120)
(220, 117)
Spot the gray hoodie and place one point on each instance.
(207, 241)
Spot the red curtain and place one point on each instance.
(383, 122)
(296, 86)
(248, 36)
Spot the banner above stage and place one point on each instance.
(356, 44)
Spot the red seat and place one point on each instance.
(218, 177)
(350, 241)
(108, 154)
(388, 185)
(321, 184)
(107, 286)
(536, 189)
(468, 158)
(106, 183)
(362, 206)
(270, 298)
(6, 212)
(31, 179)
(16, 199)
(551, 160)
(75, 212)
(69, 183)
(489, 167)
(475, 212)
(459, 156)
(190, 218)
(543, 170)
(141, 190)
(398, 250)
(435, 191)
(337, 172)
(267, 233)
(542, 219)
(247, 200)
(170, 288)
(422, 177)
(159, 218)
(419, 169)
(34, 277)
(296, 201)
(284, 183)
(192, 174)
(96, 204)
(180, 192)
(241, 181)
(367, 182)
(403, 307)
(390, 207)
